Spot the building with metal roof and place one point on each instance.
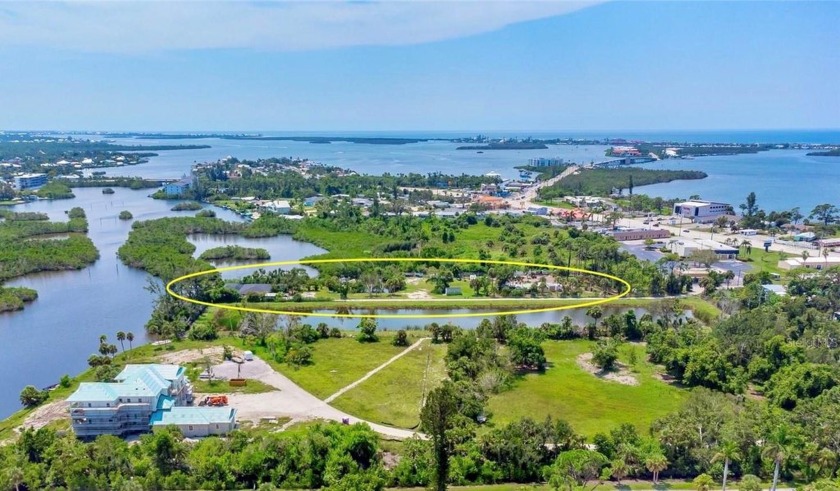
(143, 396)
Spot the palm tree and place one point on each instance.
(656, 463)
(121, 338)
(727, 452)
(129, 336)
(747, 245)
(777, 447)
(102, 339)
(619, 469)
(805, 256)
(595, 312)
(825, 255)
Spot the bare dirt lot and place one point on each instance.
(186, 356)
(620, 374)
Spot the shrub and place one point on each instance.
(605, 354)
(65, 381)
(31, 397)
(401, 339)
(126, 215)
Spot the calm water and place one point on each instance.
(781, 179)
(424, 157)
(55, 334)
(280, 248)
(578, 317)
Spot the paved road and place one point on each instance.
(290, 400)
(527, 197)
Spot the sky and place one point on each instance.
(434, 66)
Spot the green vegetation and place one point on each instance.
(21, 251)
(835, 152)
(120, 182)
(126, 215)
(14, 298)
(589, 403)
(222, 387)
(394, 395)
(55, 190)
(234, 252)
(603, 182)
(337, 362)
(25, 216)
(187, 206)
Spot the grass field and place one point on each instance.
(394, 395)
(337, 362)
(222, 387)
(765, 261)
(589, 404)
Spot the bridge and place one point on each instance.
(618, 162)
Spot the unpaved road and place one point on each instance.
(290, 400)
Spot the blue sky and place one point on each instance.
(542, 66)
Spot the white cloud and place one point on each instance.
(149, 26)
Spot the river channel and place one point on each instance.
(55, 334)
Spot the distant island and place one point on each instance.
(506, 146)
(827, 153)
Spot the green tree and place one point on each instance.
(605, 354)
(401, 339)
(367, 331)
(703, 482)
(437, 419)
(129, 336)
(727, 452)
(575, 468)
(750, 482)
(826, 213)
(778, 446)
(31, 396)
(656, 463)
(121, 339)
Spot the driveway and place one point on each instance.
(290, 400)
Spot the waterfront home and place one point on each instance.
(177, 188)
(281, 207)
(29, 181)
(141, 396)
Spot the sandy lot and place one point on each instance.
(620, 374)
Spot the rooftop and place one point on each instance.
(182, 415)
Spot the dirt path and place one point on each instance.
(375, 370)
(290, 400)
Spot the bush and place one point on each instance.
(126, 215)
(750, 483)
(65, 381)
(31, 397)
(401, 339)
(605, 354)
(335, 333)
(703, 482)
(367, 331)
(202, 332)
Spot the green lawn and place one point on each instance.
(393, 396)
(337, 362)
(589, 404)
(764, 261)
(222, 387)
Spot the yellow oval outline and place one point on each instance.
(302, 262)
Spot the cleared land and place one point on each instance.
(337, 362)
(393, 396)
(590, 404)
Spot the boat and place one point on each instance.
(480, 151)
(524, 174)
